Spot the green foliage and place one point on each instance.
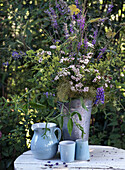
(17, 115)
(107, 125)
(13, 140)
(70, 126)
(24, 27)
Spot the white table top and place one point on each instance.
(101, 157)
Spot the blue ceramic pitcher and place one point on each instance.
(45, 145)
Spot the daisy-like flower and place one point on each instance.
(40, 59)
(98, 77)
(73, 77)
(72, 58)
(106, 85)
(53, 47)
(90, 45)
(79, 85)
(56, 78)
(73, 88)
(81, 61)
(89, 55)
(95, 79)
(86, 89)
(111, 85)
(42, 52)
(71, 66)
(83, 66)
(48, 52)
(86, 61)
(71, 83)
(97, 71)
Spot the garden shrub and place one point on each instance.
(25, 26)
(13, 136)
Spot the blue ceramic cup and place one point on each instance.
(82, 150)
(67, 151)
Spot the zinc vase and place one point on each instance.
(75, 105)
(45, 145)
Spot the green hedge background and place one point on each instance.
(24, 26)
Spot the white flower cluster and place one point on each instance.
(62, 73)
(78, 73)
(47, 52)
(78, 88)
(66, 59)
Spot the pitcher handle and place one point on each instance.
(59, 133)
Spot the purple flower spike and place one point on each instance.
(110, 8)
(99, 96)
(81, 22)
(79, 45)
(85, 42)
(15, 55)
(71, 29)
(101, 52)
(94, 37)
(52, 16)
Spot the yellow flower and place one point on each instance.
(118, 87)
(122, 89)
(110, 34)
(74, 9)
(24, 2)
(8, 100)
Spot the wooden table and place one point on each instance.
(101, 157)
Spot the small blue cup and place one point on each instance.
(67, 151)
(82, 150)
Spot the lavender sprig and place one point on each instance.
(99, 96)
(85, 42)
(95, 36)
(101, 52)
(52, 16)
(81, 22)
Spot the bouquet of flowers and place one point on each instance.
(82, 46)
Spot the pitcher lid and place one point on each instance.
(42, 125)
